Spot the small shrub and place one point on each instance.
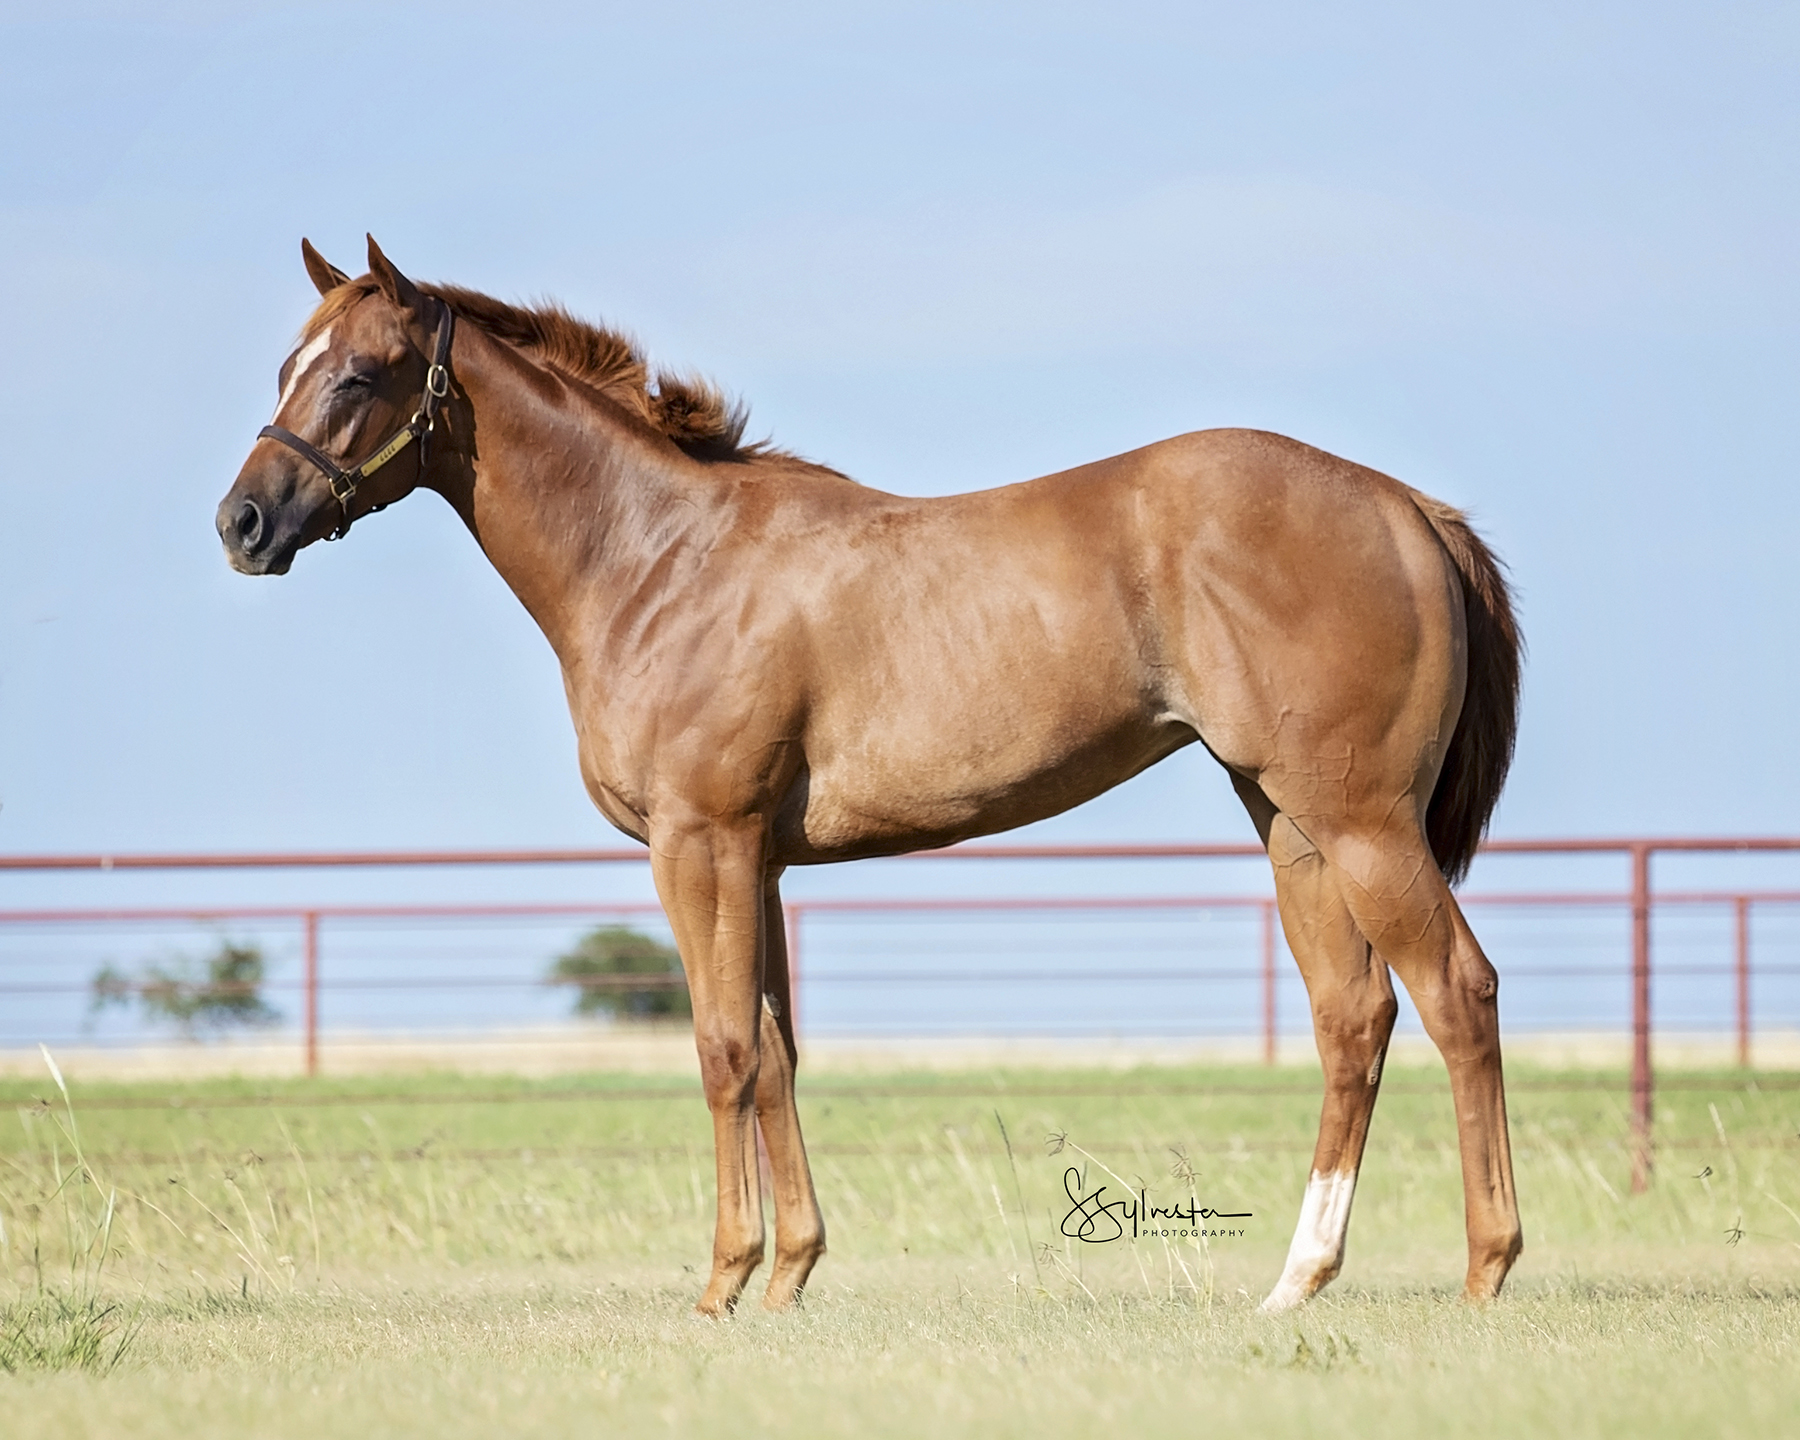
(600, 965)
(222, 991)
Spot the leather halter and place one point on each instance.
(344, 482)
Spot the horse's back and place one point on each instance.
(984, 660)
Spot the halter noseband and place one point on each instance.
(344, 482)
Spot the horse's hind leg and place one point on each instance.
(799, 1227)
(1398, 898)
(1353, 1015)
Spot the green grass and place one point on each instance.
(446, 1255)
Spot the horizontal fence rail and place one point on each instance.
(1258, 966)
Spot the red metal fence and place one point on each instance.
(1640, 899)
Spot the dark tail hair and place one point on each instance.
(1481, 749)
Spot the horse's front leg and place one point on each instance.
(709, 877)
(799, 1228)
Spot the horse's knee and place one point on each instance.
(729, 1067)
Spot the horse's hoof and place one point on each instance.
(715, 1307)
(1284, 1297)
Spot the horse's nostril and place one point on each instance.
(249, 524)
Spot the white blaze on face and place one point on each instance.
(1318, 1248)
(309, 352)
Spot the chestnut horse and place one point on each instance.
(771, 665)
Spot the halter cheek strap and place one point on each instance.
(344, 482)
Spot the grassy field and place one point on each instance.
(451, 1255)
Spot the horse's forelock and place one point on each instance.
(334, 304)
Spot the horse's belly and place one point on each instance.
(887, 798)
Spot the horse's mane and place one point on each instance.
(689, 410)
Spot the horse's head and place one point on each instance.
(360, 391)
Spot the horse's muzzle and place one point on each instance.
(245, 530)
(250, 534)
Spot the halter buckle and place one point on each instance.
(437, 382)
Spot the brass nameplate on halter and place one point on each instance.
(386, 453)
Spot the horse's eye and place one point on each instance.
(357, 381)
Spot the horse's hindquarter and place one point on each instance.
(1311, 617)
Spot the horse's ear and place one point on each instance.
(326, 276)
(393, 284)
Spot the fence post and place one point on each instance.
(790, 920)
(1742, 906)
(1641, 1086)
(312, 992)
(1268, 979)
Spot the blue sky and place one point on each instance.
(1540, 261)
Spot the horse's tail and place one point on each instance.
(1481, 749)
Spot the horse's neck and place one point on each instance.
(570, 503)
